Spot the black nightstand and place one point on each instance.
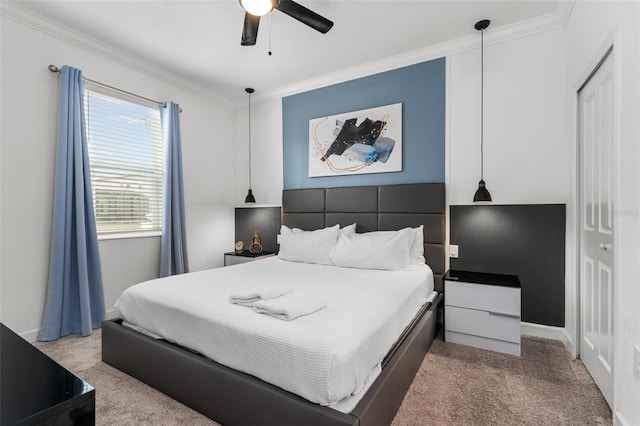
(233, 258)
(482, 310)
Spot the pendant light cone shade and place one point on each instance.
(249, 198)
(482, 194)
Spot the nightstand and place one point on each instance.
(482, 310)
(233, 258)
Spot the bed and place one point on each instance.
(230, 396)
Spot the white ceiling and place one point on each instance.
(199, 40)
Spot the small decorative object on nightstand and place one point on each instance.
(233, 258)
(239, 247)
(482, 310)
(256, 243)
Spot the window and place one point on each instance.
(125, 156)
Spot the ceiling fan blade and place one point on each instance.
(250, 30)
(304, 15)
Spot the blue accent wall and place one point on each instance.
(421, 90)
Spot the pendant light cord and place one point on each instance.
(269, 34)
(249, 140)
(482, 104)
(482, 194)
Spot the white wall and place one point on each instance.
(29, 110)
(592, 28)
(525, 132)
(266, 151)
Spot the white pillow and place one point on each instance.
(374, 250)
(297, 245)
(417, 247)
(416, 251)
(349, 229)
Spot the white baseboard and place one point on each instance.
(545, 331)
(568, 342)
(111, 314)
(32, 335)
(619, 420)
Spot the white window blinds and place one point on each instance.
(125, 155)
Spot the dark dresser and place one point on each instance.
(36, 390)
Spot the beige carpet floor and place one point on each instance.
(456, 385)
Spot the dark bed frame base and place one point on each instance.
(234, 398)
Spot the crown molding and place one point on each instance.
(564, 10)
(498, 35)
(12, 10)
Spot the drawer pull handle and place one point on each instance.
(500, 314)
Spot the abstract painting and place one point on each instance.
(358, 142)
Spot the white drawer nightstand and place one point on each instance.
(482, 310)
(233, 258)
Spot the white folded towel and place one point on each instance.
(250, 297)
(290, 306)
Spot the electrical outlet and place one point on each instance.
(453, 251)
(278, 239)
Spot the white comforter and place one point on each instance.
(325, 357)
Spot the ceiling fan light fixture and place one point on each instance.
(254, 9)
(257, 7)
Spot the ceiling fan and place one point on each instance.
(256, 8)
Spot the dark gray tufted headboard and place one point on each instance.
(374, 208)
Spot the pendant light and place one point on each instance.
(249, 198)
(482, 194)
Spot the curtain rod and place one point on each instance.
(54, 68)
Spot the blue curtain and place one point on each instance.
(75, 298)
(173, 251)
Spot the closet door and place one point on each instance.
(597, 189)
